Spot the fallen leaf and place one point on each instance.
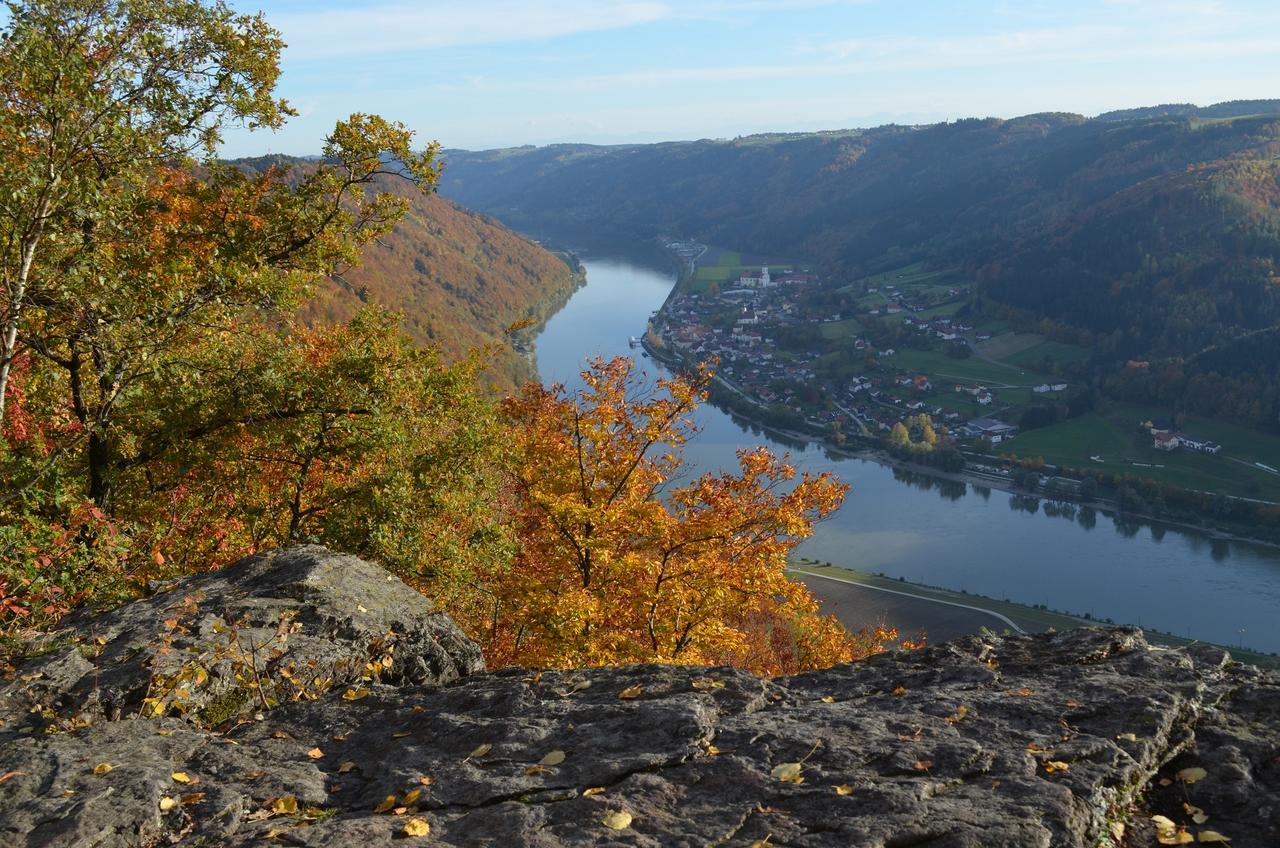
(181, 777)
(286, 804)
(400, 811)
(426, 781)
(10, 775)
(102, 768)
(1198, 815)
(346, 767)
(164, 732)
(617, 820)
(554, 758)
(923, 765)
(1164, 781)
(827, 699)
(1056, 765)
(594, 790)
(1163, 823)
(532, 771)
(387, 804)
(843, 789)
(411, 797)
(480, 751)
(275, 832)
(899, 690)
(1127, 737)
(1117, 831)
(1192, 774)
(1213, 836)
(315, 754)
(711, 750)
(705, 683)
(631, 693)
(280, 734)
(192, 798)
(1024, 692)
(256, 774)
(339, 737)
(416, 827)
(788, 773)
(167, 804)
(1181, 836)
(402, 734)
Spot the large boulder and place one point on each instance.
(1074, 740)
(280, 626)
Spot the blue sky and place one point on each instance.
(496, 73)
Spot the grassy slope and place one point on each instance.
(1112, 433)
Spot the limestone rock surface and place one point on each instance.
(999, 742)
(267, 629)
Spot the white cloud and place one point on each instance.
(390, 28)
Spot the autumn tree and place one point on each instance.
(620, 564)
(899, 437)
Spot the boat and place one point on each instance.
(634, 342)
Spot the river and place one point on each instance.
(955, 535)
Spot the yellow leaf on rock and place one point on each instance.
(346, 767)
(286, 805)
(788, 772)
(480, 751)
(843, 789)
(355, 693)
(899, 690)
(1174, 837)
(827, 699)
(315, 753)
(102, 768)
(1117, 831)
(1213, 836)
(1056, 765)
(387, 803)
(167, 804)
(554, 758)
(1127, 737)
(426, 781)
(617, 820)
(594, 790)
(1197, 814)
(1192, 774)
(631, 693)
(416, 827)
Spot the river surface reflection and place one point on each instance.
(951, 534)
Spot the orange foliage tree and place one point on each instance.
(618, 563)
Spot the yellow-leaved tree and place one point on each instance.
(619, 563)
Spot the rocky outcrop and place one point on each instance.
(280, 626)
(1047, 740)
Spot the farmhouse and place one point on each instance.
(1166, 441)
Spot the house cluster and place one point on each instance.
(943, 328)
(1165, 437)
(743, 322)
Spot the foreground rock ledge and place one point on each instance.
(942, 747)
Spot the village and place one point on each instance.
(759, 325)
(848, 361)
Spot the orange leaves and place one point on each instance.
(620, 564)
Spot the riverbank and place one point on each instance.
(1021, 617)
(737, 402)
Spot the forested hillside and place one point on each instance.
(459, 278)
(1155, 231)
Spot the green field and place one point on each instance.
(975, 370)
(840, 329)
(1062, 354)
(1112, 434)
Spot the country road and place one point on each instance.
(857, 606)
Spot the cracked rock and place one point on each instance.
(999, 742)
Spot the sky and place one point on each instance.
(479, 74)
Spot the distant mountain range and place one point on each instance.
(1156, 231)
